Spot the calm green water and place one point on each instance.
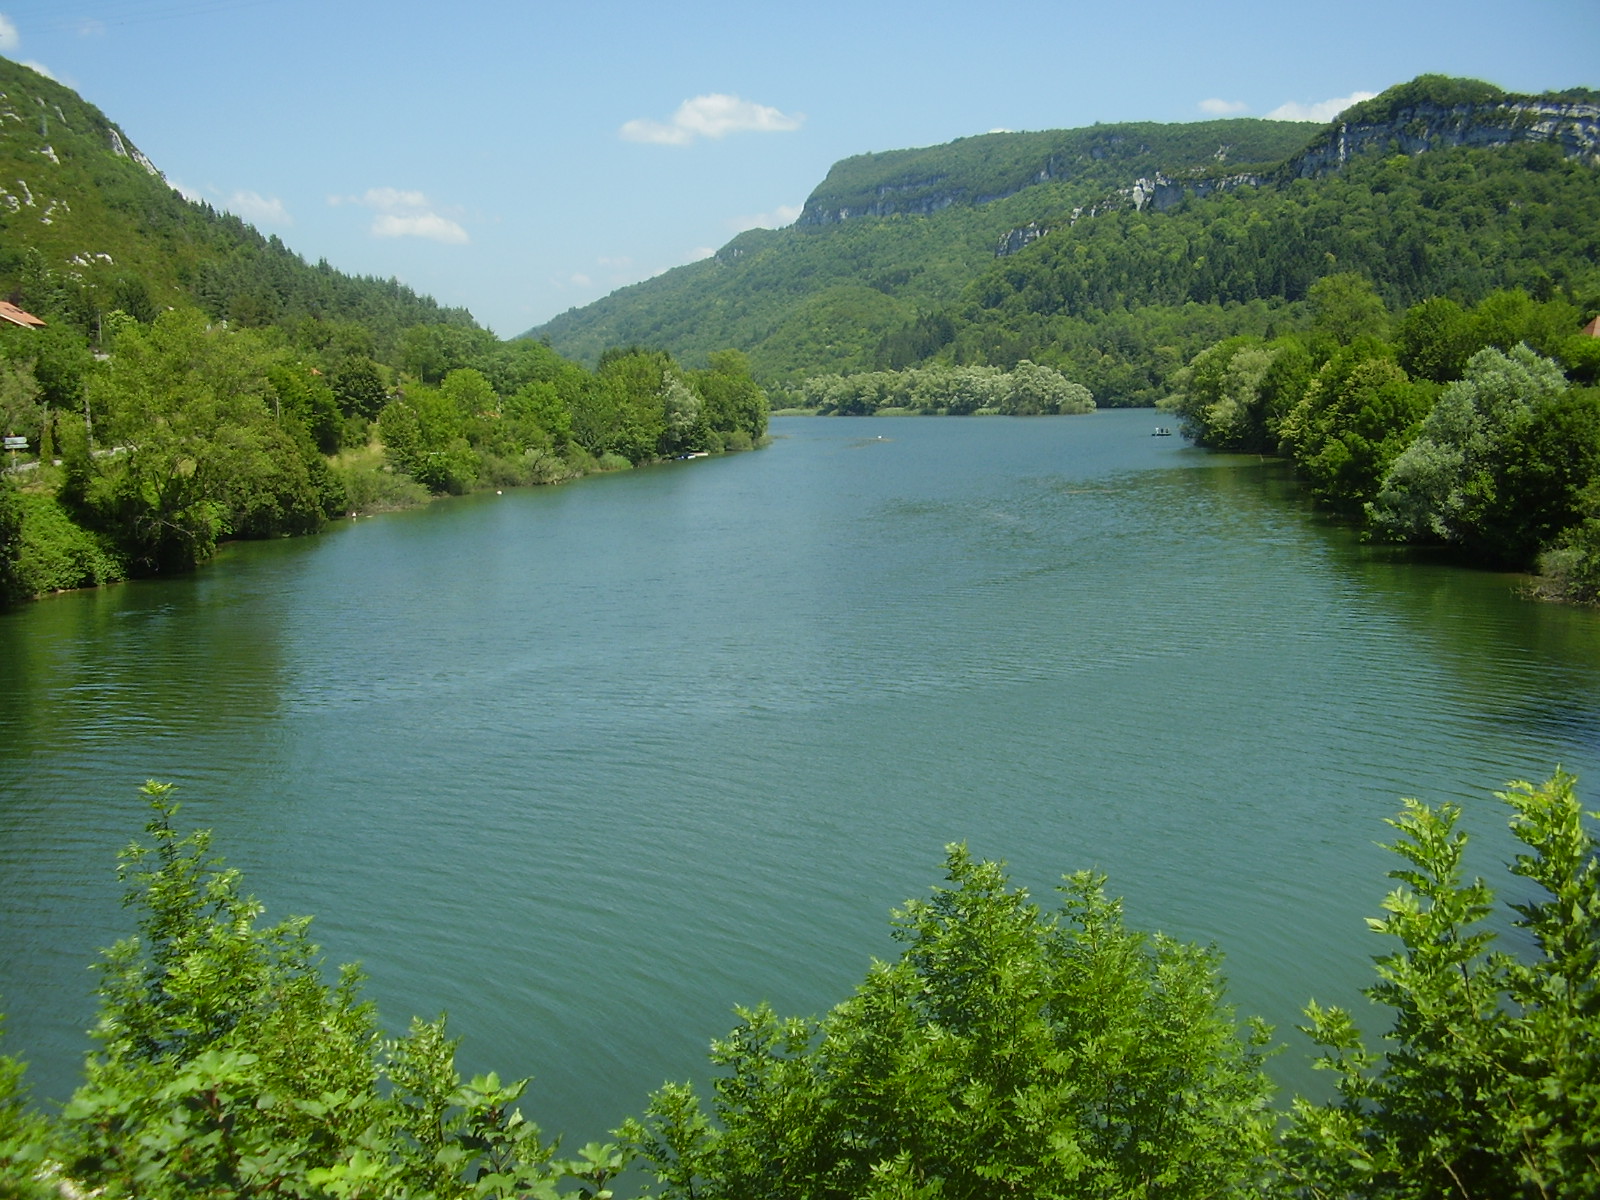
(587, 766)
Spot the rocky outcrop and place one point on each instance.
(1158, 194)
(1573, 128)
(916, 197)
(1015, 239)
(123, 150)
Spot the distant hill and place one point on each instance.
(886, 236)
(88, 219)
(1061, 246)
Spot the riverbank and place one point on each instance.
(44, 551)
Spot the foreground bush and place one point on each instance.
(1007, 1051)
(1490, 1084)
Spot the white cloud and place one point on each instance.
(398, 213)
(430, 225)
(1217, 107)
(258, 209)
(713, 115)
(89, 27)
(1322, 112)
(9, 39)
(34, 65)
(784, 214)
(701, 252)
(579, 279)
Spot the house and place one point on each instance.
(10, 312)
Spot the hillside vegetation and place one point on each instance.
(921, 224)
(194, 381)
(88, 225)
(1118, 252)
(1009, 1049)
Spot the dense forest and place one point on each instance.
(192, 381)
(1476, 429)
(1117, 253)
(1009, 1049)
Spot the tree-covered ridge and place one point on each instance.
(991, 166)
(1118, 281)
(88, 226)
(1007, 1050)
(1408, 107)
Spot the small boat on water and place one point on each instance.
(1162, 431)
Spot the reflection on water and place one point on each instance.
(586, 766)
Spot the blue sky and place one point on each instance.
(524, 158)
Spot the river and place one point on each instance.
(586, 766)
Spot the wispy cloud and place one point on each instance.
(89, 27)
(1322, 111)
(1218, 107)
(397, 213)
(258, 209)
(35, 65)
(9, 38)
(714, 115)
(784, 214)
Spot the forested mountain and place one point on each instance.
(193, 381)
(88, 224)
(1115, 253)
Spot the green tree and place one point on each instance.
(1222, 395)
(425, 435)
(1035, 388)
(304, 394)
(539, 407)
(624, 412)
(683, 417)
(200, 445)
(12, 587)
(469, 393)
(735, 405)
(1435, 338)
(1006, 1051)
(25, 1137)
(1443, 486)
(59, 359)
(228, 1066)
(358, 386)
(1570, 568)
(1345, 308)
(21, 412)
(1356, 417)
(1547, 469)
(1490, 1085)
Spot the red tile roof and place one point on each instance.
(10, 312)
